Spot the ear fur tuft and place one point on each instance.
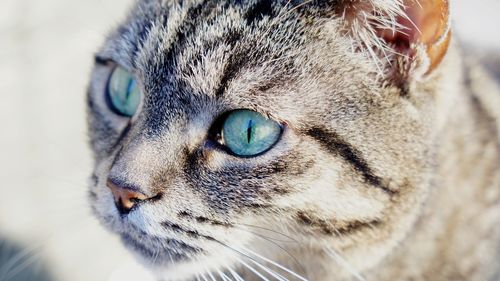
(394, 33)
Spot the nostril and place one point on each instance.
(125, 198)
(122, 208)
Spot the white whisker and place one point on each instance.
(277, 265)
(342, 262)
(210, 275)
(223, 276)
(271, 272)
(157, 253)
(171, 259)
(20, 267)
(235, 275)
(11, 263)
(291, 239)
(248, 255)
(253, 270)
(284, 250)
(204, 277)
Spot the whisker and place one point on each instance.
(271, 272)
(253, 270)
(344, 263)
(7, 267)
(204, 277)
(247, 255)
(171, 258)
(20, 267)
(267, 237)
(236, 250)
(157, 253)
(277, 265)
(223, 276)
(210, 275)
(272, 231)
(235, 275)
(270, 240)
(302, 268)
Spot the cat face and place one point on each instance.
(178, 88)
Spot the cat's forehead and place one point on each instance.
(186, 25)
(176, 36)
(262, 55)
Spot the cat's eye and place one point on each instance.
(248, 133)
(123, 92)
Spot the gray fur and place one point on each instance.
(358, 168)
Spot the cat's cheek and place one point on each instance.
(332, 197)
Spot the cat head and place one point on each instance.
(216, 124)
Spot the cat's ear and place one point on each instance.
(414, 34)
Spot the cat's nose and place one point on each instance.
(125, 198)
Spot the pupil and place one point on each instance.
(249, 130)
(129, 88)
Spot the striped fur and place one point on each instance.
(370, 178)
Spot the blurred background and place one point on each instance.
(46, 50)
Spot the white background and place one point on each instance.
(45, 57)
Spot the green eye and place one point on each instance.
(124, 95)
(249, 133)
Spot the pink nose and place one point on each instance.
(125, 198)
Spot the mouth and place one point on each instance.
(158, 251)
(163, 246)
(165, 250)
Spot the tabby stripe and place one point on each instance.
(179, 229)
(141, 36)
(233, 65)
(330, 227)
(202, 219)
(334, 144)
(259, 11)
(194, 16)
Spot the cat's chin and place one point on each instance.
(191, 270)
(152, 252)
(172, 260)
(188, 268)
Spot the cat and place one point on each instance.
(296, 140)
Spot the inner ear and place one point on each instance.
(413, 35)
(425, 23)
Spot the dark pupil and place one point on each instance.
(249, 130)
(129, 87)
